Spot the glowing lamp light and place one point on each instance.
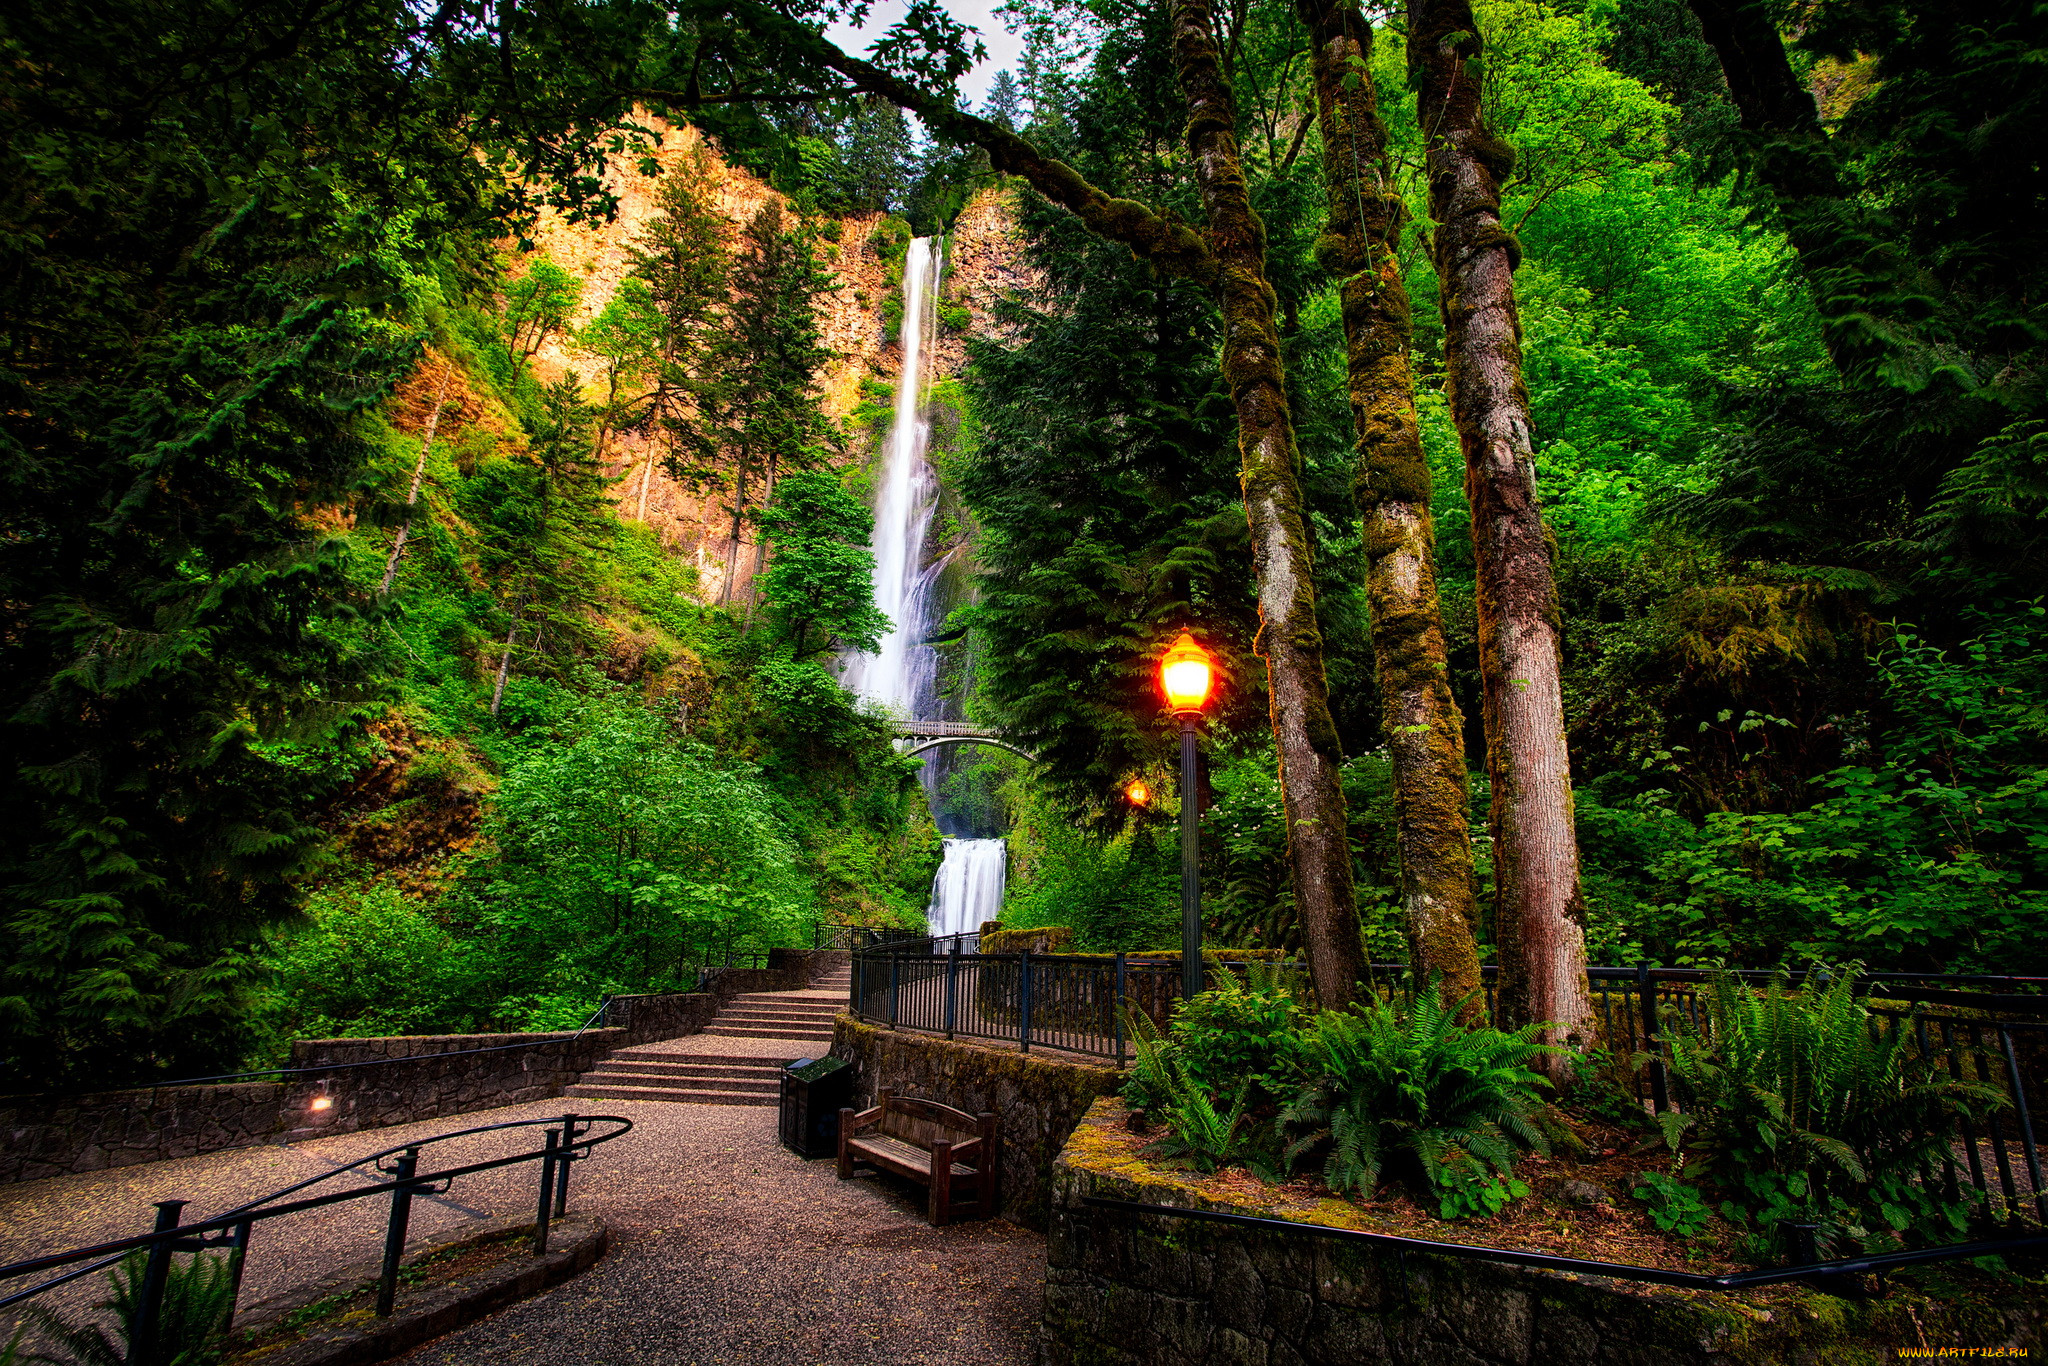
(323, 1102)
(1137, 794)
(1186, 673)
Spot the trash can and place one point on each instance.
(814, 1090)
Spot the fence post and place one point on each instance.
(547, 1196)
(1646, 995)
(562, 1165)
(895, 964)
(394, 1231)
(156, 1272)
(2020, 1112)
(238, 1252)
(1024, 1001)
(1116, 1010)
(952, 985)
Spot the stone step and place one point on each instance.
(713, 1059)
(678, 1094)
(751, 1032)
(784, 1003)
(606, 1077)
(812, 1018)
(767, 1072)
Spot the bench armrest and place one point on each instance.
(864, 1119)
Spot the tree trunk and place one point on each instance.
(1425, 733)
(646, 478)
(419, 471)
(1318, 835)
(1538, 910)
(1844, 262)
(505, 662)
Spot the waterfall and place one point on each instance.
(969, 887)
(902, 675)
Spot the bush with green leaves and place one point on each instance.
(1406, 1091)
(190, 1329)
(1202, 1131)
(1675, 1206)
(1800, 1106)
(372, 961)
(627, 856)
(1240, 1035)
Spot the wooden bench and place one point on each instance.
(950, 1151)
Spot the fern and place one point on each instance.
(1799, 1108)
(198, 1294)
(1414, 1093)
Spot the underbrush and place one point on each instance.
(1789, 1108)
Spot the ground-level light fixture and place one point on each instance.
(1187, 675)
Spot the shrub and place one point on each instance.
(1799, 1110)
(197, 1295)
(1414, 1094)
(1198, 1133)
(1240, 1039)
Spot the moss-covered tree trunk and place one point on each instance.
(1290, 639)
(1538, 910)
(1424, 730)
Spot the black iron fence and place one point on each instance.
(566, 1139)
(1990, 1030)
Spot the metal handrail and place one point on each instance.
(231, 1230)
(1826, 1276)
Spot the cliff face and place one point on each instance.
(984, 262)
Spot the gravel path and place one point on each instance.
(726, 1248)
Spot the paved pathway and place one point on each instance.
(726, 1248)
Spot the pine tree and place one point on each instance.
(759, 406)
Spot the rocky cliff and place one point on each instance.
(985, 261)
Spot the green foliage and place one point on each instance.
(1675, 1207)
(1198, 1134)
(198, 1293)
(1410, 1093)
(1930, 852)
(817, 586)
(1237, 1039)
(371, 961)
(1801, 1106)
(538, 305)
(624, 857)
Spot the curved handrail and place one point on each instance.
(575, 1144)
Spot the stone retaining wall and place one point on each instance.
(1134, 1290)
(1037, 1099)
(403, 1078)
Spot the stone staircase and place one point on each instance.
(736, 1060)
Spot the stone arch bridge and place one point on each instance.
(928, 735)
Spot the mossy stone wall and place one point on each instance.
(1037, 1099)
(1129, 1290)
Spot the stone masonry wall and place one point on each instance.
(401, 1079)
(1134, 1290)
(1037, 1099)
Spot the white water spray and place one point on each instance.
(903, 674)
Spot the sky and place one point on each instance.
(1004, 47)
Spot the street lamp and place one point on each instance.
(1136, 793)
(1186, 674)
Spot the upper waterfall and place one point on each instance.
(900, 675)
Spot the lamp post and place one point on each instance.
(1186, 674)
